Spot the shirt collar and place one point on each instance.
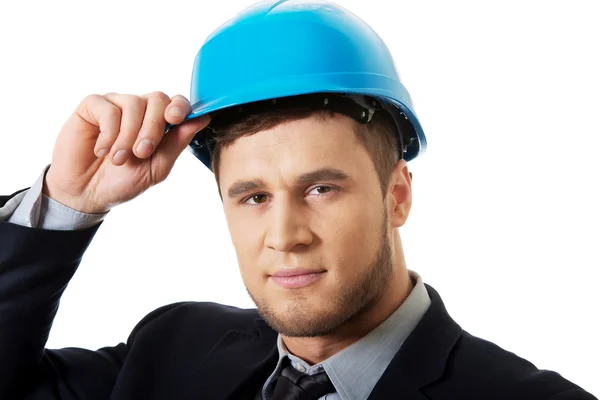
(355, 370)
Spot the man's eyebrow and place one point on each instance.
(322, 174)
(241, 187)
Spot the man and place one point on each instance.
(309, 144)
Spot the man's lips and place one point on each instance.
(285, 272)
(294, 278)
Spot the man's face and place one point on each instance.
(305, 197)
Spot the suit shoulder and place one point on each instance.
(474, 359)
(191, 315)
(485, 354)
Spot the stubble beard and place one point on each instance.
(349, 303)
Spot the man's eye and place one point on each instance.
(256, 199)
(322, 189)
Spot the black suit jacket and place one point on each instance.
(210, 351)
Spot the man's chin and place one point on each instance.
(301, 320)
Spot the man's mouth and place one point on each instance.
(295, 278)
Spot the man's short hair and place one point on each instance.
(378, 136)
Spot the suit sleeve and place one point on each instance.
(36, 266)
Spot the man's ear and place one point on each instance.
(399, 194)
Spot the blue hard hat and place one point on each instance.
(288, 48)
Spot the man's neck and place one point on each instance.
(317, 349)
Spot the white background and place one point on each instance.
(505, 222)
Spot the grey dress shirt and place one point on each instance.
(353, 371)
(34, 209)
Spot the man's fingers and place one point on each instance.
(103, 119)
(178, 109)
(173, 144)
(153, 127)
(133, 109)
(134, 125)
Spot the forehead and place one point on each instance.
(294, 147)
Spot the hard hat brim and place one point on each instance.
(384, 88)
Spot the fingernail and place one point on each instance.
(175, 112)
(145, 148)
(120, 157)
(101, 153)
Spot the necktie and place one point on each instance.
(295, 385)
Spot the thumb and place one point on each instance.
(173, 144)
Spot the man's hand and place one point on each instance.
(114, 147)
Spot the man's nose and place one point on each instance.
(288, 225)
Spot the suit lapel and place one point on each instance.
(238, 359)
(422, 358)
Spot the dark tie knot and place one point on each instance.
(295, 385)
